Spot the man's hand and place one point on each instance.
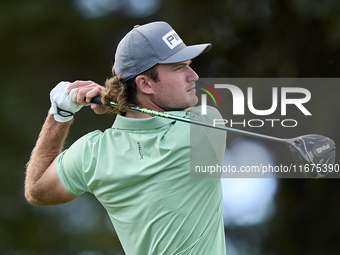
(68, 98)
(84, 91)
(62, 106)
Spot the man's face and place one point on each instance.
(175, 89)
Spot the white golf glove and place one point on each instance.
(62, 106)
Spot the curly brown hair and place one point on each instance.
(124, 93)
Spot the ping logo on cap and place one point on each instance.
(172, 39)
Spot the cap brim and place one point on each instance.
(187, 53)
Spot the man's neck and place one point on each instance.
(137, 115)
(148, 105)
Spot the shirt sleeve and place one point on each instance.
(71, 165)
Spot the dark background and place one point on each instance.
(46, 41)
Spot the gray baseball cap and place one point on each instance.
(150, 44)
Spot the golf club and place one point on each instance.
(312, 150)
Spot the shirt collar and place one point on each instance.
(123, 122)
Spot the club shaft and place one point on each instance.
(190, 121)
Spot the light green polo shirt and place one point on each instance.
(139, 170)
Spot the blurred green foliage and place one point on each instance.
(43, 42)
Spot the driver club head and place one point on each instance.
(315, 150)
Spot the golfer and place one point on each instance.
(140, 169)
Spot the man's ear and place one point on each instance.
(143, 82)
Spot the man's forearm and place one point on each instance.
(49, 145)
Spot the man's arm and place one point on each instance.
(42, 185)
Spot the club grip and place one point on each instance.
(97, 100)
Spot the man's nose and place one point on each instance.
(192, 76)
